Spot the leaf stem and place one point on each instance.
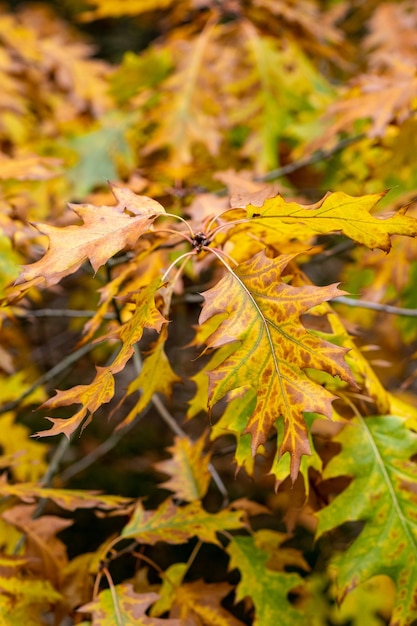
(173, 264)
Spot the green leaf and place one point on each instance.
(376, 453)
(179, 524)
(267, 589)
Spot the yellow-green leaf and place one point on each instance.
(336, 212)
(156, 376)
(273, 350)
(188, 469)
(267, 589)
(179, 524)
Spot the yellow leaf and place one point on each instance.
(200, 603)
(92, 396)
(188, 469)
(336, 212)
(69, 499)
(156, 376)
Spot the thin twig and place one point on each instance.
(375, 306)
(59, 313)
(316, 157)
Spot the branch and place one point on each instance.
(316, 157)
(60, 313)
(54, 371)
(375, 306)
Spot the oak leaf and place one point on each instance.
(199, 604)
(121, 605)
(188, 469)
(179, 524)
(156, 376)
(382, 495)
(273, 350)
(101, 389)
(69, 499)
(336, 212)
(267, 589)
(106, 230)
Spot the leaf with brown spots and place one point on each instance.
(273, 350)
(376, 455)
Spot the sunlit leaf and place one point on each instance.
(106, 230)
(336, 212)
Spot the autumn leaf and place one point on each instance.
(24, 600)
(101, 390)
(179, 524)
(272, 350)
(69, 499)
(267, 589)
(336, 212)
(121, 605)
(92, 396)
(106, 230)
(188, 468)
(110, 8)
(199, 603)
(381, 495)
(156, 376)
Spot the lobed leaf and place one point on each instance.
(106, 230)
(382, 495)
(273, 350)
(156, 376)
(188, 468)
(336, 212)
(267, 589)
(69, 499)
(121, 605)
(179, 524)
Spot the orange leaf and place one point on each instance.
(272, 350)
(92, 396)
(106, 230)
(200, 603)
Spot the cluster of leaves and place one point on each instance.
(216, 335)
